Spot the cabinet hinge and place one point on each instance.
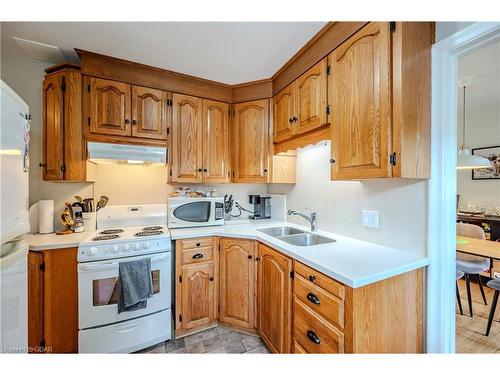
(168, 131)
(392, 26)
(328, 109)
(170, 172)
(180, 278)
(392, 158)
(292, 274)
(328, 70)
(42, 343)
(88, 121)
(42, 267)
(63, 168)
(63, 87)
(180, 318)
(88, 88)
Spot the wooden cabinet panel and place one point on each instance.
(359, 92)
(251, 152)
(186, 139)
(215, 142)
(110, 107)
(284, 112)
(198, 303)
(314, 333)
(317, 278)
(53, 128)
(192, 243)
(149, 113)
(274, 299)
(197, 255)
(311, 98)
(35, 301)
(237, 282)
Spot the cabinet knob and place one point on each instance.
(312, 336)
(312, 278)
(197, 256)
(199, 169)
(290, 120)
(249, 257)
(211, 279)
(257, 259)
(294, 118)
(312, 297)
(205, 170)
(265, 170)
(134, 122)
(332, 161)
(127, 121)
(198, 244)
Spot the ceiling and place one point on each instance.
(480, 72)
(228, 52)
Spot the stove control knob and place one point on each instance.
(92, 251)
(126, 247)
(115, 248)
(137, 246)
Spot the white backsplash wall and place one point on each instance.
(402, 204)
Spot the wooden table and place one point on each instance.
(484, 248)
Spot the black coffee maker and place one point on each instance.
(261, 207)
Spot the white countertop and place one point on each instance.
(39, 242)
(350, 261)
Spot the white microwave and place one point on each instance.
(184, 212)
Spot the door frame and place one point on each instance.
(442, 188)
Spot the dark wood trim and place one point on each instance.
(244, 92)
(324, 42)
(101, 66)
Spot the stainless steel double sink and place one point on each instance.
(295, 236)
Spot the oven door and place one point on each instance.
(191, 214)
(97, 292)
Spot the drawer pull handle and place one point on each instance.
(312, 297)
(312, 278)
(198, 244)
(197, 256)
(312, 336)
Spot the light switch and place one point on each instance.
(370, 218)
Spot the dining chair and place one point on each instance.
(460, 274)
(494, 284)
(472, 264)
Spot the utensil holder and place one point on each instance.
(89, 221)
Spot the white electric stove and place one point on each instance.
(124, 233)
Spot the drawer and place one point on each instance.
(319, 300)
(197, 255)
(321, 280)
(192, 243)
(313, 332)
(297, 349)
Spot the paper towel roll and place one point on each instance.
(46, 216)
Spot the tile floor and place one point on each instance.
(470, 332)
(215, 340)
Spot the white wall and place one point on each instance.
(401, 203)
(483, 130)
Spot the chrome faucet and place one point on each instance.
(311, 219)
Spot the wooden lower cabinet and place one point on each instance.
(274, 299)
(53, 301)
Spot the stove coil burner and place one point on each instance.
(111, 231)
(149, 229)
(105, 237)
(148, 233)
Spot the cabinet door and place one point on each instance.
(198, 302)
(251, 128)
(275, 299)
(186, 139)
(149, 113)
(215, 142)
(237, 283)
(35, 301)
(53, 127)
(110, 107)
(311, 98)
(360, 105)
(284, 112)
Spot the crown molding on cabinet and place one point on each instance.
(244, 92)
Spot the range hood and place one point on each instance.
(109, 153)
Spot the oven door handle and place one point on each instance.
(113, 265)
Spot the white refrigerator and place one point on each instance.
(14, 222)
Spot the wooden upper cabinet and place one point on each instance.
(360, 102)
(53, 128)
(251, 141)
(284, 112)
(237, 282)
(274, 299)
(198, 304)
(216, 160)
(186, 164)
(149, 113)
(110, 107)
(311, 98)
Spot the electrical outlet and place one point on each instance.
(370, 218)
